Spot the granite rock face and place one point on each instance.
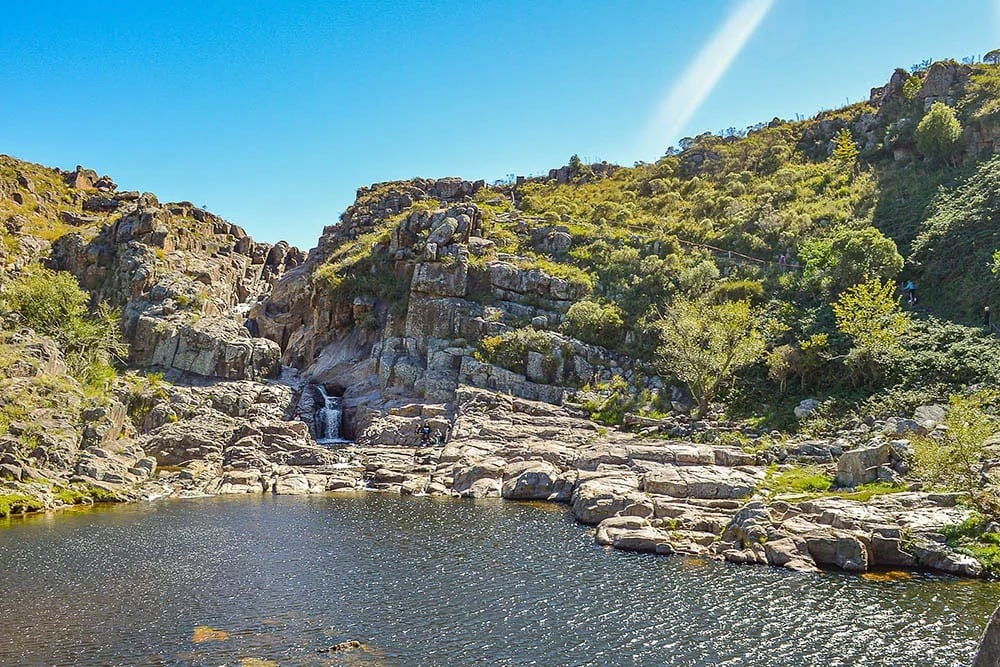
(989, 646)
(184, 280)
(210, 346)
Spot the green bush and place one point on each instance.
(52, 303)
(956, 459)
(939, 134)
(615, 402)
(849, 256)
(510, 349)
(869, 313)
(595, 323)
(738, 290)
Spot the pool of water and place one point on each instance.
(419, 581)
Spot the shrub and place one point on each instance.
(616, 401)
(939, 134)
(849, 256)
(955, 459)
(869, 313)
(52, 303)
(592, 322)
(510, 349)
(738, 290)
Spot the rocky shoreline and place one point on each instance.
(639, 492)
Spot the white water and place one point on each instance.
(328, 419)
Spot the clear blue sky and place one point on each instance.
(273, 113)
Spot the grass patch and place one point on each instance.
(810, 482)
(807, 479)
(866, 492)
(973, 538)
(18, 503)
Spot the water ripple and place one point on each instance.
(428, 582)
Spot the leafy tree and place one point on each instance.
(845, 151)
(912, 86)
(956, 458)
(575, 164)
(705, 344)
(870, 315)
(849, 255)
(993, 57)
(939, 134)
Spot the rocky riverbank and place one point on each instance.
(639, 492)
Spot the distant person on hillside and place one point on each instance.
(987, 317)
(783, 262)
(425, 436)
(911, 292)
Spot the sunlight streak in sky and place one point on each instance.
(688, 92)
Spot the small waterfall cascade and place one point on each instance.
(328, 418)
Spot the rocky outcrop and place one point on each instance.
(184, 280)
(655, 495)
(239, 437)
(57, 445)
(988, 654)
(211, 346)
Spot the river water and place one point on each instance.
(421, 582)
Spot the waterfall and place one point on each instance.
(328, 419)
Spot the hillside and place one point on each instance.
(494, 270)
(692, 338)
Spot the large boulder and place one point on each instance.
(534, 480)
(599, 496)
(989, 646)
(861, 465)
(701, 481)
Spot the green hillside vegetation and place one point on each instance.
(882, 192)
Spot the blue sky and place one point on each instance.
(273, 113)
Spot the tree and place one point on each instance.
(939, 134)
(845, 151)
(575, 164)
(955, 459)
(869, 313)
(849, 255)
(704, 344)
(993, 57)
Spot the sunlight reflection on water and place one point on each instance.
(431, 582)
